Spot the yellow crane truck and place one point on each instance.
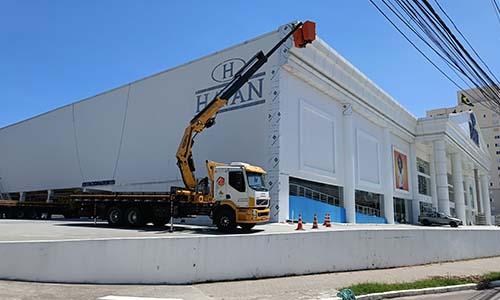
(232, 195)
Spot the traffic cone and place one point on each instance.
(315, 222)
(328, 221)
(300, 226)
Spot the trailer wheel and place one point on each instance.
(247, 226)
(160, 217)
(115, 216)
(225, 220)
(134, 217)
(19, 214)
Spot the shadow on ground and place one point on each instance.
(187, 229)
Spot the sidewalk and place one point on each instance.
(325, 285)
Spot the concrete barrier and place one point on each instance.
(209, 258)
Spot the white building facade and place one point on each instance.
(328, 137)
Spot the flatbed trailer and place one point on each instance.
(14, 209)
(138, 209)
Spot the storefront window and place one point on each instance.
(369, 203)
(424, 177)
(402, 211)
(326, 193)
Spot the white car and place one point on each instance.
(437, 218)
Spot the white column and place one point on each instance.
(22, 196)
(349, 179)
(486, 198)
(387, 177)
(441, 176)
(479, 190)
(458, 186)
(468, 197)
(49, 196)
(433, 184)
(413, 176)
(284, 198)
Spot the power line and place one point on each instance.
(424, 21)
(496, 8)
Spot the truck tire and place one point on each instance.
(161, 216)
(134, 217)
(225, 220)
(247, 227)
(453, 224)
(426, 222)
(19, 214)
(115, 216)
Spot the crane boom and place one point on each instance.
(206, 117)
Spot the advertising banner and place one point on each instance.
(400, 170)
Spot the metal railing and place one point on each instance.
(300, 190)
(368, 210)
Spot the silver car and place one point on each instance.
(437, 218)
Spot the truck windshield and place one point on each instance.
(256, 181)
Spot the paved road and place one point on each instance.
(316, 287)
(493, 294)
(23, 230)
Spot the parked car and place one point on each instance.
(437, 218)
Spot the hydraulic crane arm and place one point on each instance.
(206, 117)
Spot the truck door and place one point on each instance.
(232, 186)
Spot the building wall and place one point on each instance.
(131, 134)
(489, 123)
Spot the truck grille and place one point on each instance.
(263, 202)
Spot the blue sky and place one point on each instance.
(57, 52)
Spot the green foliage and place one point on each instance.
(370, 288)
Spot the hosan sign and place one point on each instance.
(250, 94)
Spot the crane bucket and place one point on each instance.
(305, 35)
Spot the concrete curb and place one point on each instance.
(416, 292)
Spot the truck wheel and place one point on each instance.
(19, 214)
(247, 226)
(225, 220)
(115, 216)
(453, 224)
(133, 217)
(426, 222)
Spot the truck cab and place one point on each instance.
(241, 196)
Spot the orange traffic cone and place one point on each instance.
(315, 222)
(328, 221)
(300, 226)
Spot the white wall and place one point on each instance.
(131, 134)
(368, 157)
(178, 260)
(311, 132)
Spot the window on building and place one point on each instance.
(424, 177)
(402, 210)
(322, 192)
(498, 152)
(484, 116)
(369, 203)
(451, 194)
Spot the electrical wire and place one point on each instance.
(426, 23)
